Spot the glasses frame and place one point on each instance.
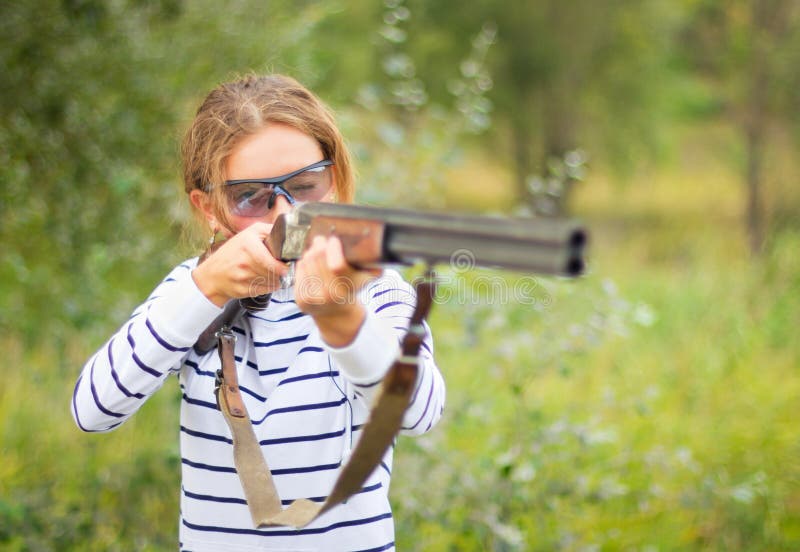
(280, 179)
(276, 181)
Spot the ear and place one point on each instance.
(202, 202)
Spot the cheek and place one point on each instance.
(330, 197)
(240, 223)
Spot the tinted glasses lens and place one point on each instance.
(310, 185)
(252, 199)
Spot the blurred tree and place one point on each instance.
(571, 74)
(749, 51)
(94, 93)
(83, 164)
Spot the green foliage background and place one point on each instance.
(650, 406)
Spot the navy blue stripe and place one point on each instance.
(207, 436)
(373, 285)
(253, 394)
(385, 467)
(371, 488)
(75, 405)
(249, 363)
(208, 467)
(77, 417)
(378, 294)
(100, 407)
(266, 442)
(427, 405)
(367, 385)
(306, 469)
(272, 371)
(238, 330)
(283, 471)
(302, 438)
(311, 350)
(314, 406)
(292, 316)
(116, 377)
(420, 383)
(308, 377)
(280, 341)
(271, 300)
(194, 366)
(199, 372)
(211, 498)
(137, 360)
(287, 532)
(285, 502)
(196, 402)
(388, 546)
(392, 304)
(161, 341)
(168, 280)
(284, 319)
(425, 346)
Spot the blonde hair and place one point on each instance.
(237, 109)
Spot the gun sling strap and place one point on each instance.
(377, 435)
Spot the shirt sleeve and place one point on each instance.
(138, 358)
(389, 304)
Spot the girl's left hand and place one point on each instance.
(326, 286)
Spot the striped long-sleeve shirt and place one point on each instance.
(307, 401)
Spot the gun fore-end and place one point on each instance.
(371, 236)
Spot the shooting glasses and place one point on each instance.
(255, 197)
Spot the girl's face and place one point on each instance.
(276, 150)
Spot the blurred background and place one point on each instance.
(651, 405)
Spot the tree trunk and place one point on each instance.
(755, 153)
(522, 137)
(755, 118)
(559, 134)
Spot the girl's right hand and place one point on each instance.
(241, 267)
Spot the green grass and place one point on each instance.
(650, 406)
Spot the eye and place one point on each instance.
(249, 194)
(305, 183)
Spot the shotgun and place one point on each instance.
(374, 236)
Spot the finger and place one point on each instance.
(261, 229)
(263, 261)
(334, 256)
(315, 257)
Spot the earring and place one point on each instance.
(214, 231)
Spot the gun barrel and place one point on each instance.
(542, 245)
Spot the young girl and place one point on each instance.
(308, 365)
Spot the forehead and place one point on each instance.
(275, 150)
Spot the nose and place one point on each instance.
(281, 206)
